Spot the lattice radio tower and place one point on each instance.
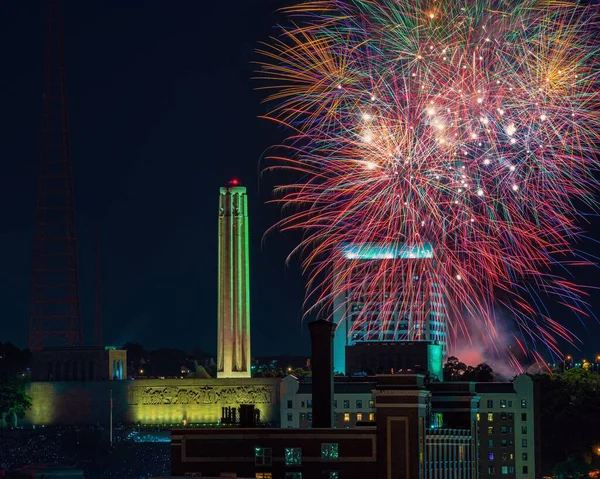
(55, 315)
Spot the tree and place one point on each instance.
(575, 466)
(482, 373)
(14, 402)
(136, 354)
(569, 415)
(13, 361)
(454, 369)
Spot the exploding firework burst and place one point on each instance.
(468, 126)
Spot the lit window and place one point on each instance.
(503, 416)
(359, 404)
(263, 456)
(346, 404)
(490, 443)
(490, 429)
(491, 469)
(371, 416)
(511, 469)
(523, 403)
(329, 451)
(302, 404)
(491, 456)
(293, 475)
(263, 475)
(503, 403)
(511, 416)
(524, 443)
(490, 403)
(478, 417)
(523, 429)
(293, 456)
(359, 416)
(303, 416)
(289, 404)
(503, 443)
(525, 469)
(510, 429)
(490, 416)
(371, 403)
(309, 416)
(511, 456)
(504, 469)
(290, 417)
(523, 416)
(461, 453)
(309, 404)
(504, 456)
(346, 416)
(524, 456)
(334, 475)
(502, 429)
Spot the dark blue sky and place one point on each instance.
(162, 112)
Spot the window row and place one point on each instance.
(308, 404)
(307, 416)
(292, 475)
(506, 429)
(505, 456)
(503, 416)
(506, 403)
(263, 456)
(506, 470)
(506, 442)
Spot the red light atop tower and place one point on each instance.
(234, 182)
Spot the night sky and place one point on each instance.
(163, 112)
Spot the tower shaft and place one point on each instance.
(233, 349)
(55, 314)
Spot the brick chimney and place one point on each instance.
(321, 338)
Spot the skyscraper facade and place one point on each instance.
(233, 348)
(375, 303)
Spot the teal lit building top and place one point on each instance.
(418, 311)
(374, 251)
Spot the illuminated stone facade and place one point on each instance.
(233, 347)
(149, 401)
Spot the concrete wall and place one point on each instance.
(77, 364)
(149, 401)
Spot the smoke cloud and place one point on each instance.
(494, 346)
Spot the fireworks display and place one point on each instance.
(467, 126)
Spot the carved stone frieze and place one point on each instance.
(223, 395)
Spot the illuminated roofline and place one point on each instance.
(367, 251)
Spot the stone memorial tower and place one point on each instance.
(233, 348)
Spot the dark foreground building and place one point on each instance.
(407, 439)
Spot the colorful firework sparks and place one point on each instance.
(467, 125)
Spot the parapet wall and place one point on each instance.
(149, 401)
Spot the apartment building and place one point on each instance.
(508, 430)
